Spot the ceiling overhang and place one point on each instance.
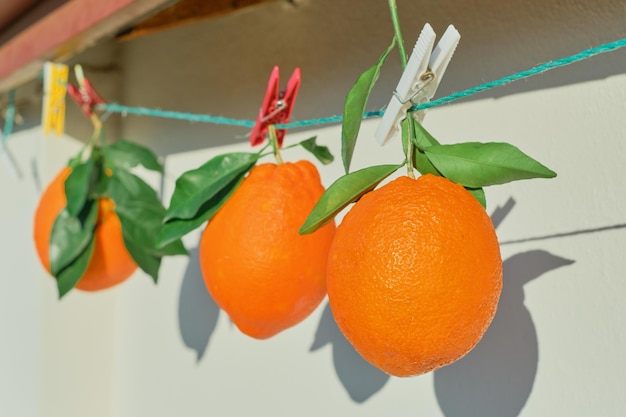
(64, 31)
(35, 31)
(185, 12)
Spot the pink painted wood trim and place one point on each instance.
(66, 31)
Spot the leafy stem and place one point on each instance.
(393, 8)
(271, 129)
(410, 149)
(267, 145)
(97, 131)
(95, 120)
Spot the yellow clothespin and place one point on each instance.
(55, 88)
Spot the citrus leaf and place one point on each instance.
(354, 107)
(475, 164)
(423, 164)
(141, 216)
(123, 186)
(422, 137)
(173, 248)
(322, 153)
(344, 191)
(148, 263)
(177, 228)
(100, 184)
(125, 154)
(141, 224)
(420, 161)
(77, 186)
(196, 187)
(76, 159)
(479, 195)
(72, 273)
(71, 235)
(141, 213)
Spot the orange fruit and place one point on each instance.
(414, 275)
(255, 264)
(110, 263)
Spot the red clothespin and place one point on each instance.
(276, 108)
(84, 95)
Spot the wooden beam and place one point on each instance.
(186, 12)
(66, 31)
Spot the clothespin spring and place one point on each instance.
(427, 77)
(418, 96)
(280, 106)
(271, 128)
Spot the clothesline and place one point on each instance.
(206, 118)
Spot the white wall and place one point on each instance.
(56, 358)
(555, 347)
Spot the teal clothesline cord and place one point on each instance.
(167, 114)
(203, 118)
(586, 54)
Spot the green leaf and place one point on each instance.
(475, 165)
(124, 186)
(141, 224)
(344, 191)
(420, 162)
(479, 195)
(77, 186)
(72, 273)
(404, 126)
(100, 184)
(125, 154)
(71, 235)
(322, 153)
(423, 164)
(141, 213)
(196, 187)
(76, 159)
(422, 137)
(354, 107)
(141, 216)
(148, 263)
(177, 228)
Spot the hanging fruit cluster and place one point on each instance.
(413, 272)
(96, 222)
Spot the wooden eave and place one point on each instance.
(56, 30)
(65, 31)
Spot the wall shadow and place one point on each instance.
(360, 379)
(500, 212)
(495, 379)
(197, 311)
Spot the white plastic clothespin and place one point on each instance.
(420, 79)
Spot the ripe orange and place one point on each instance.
(256, 266)
(414, 275)
(110, 263)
